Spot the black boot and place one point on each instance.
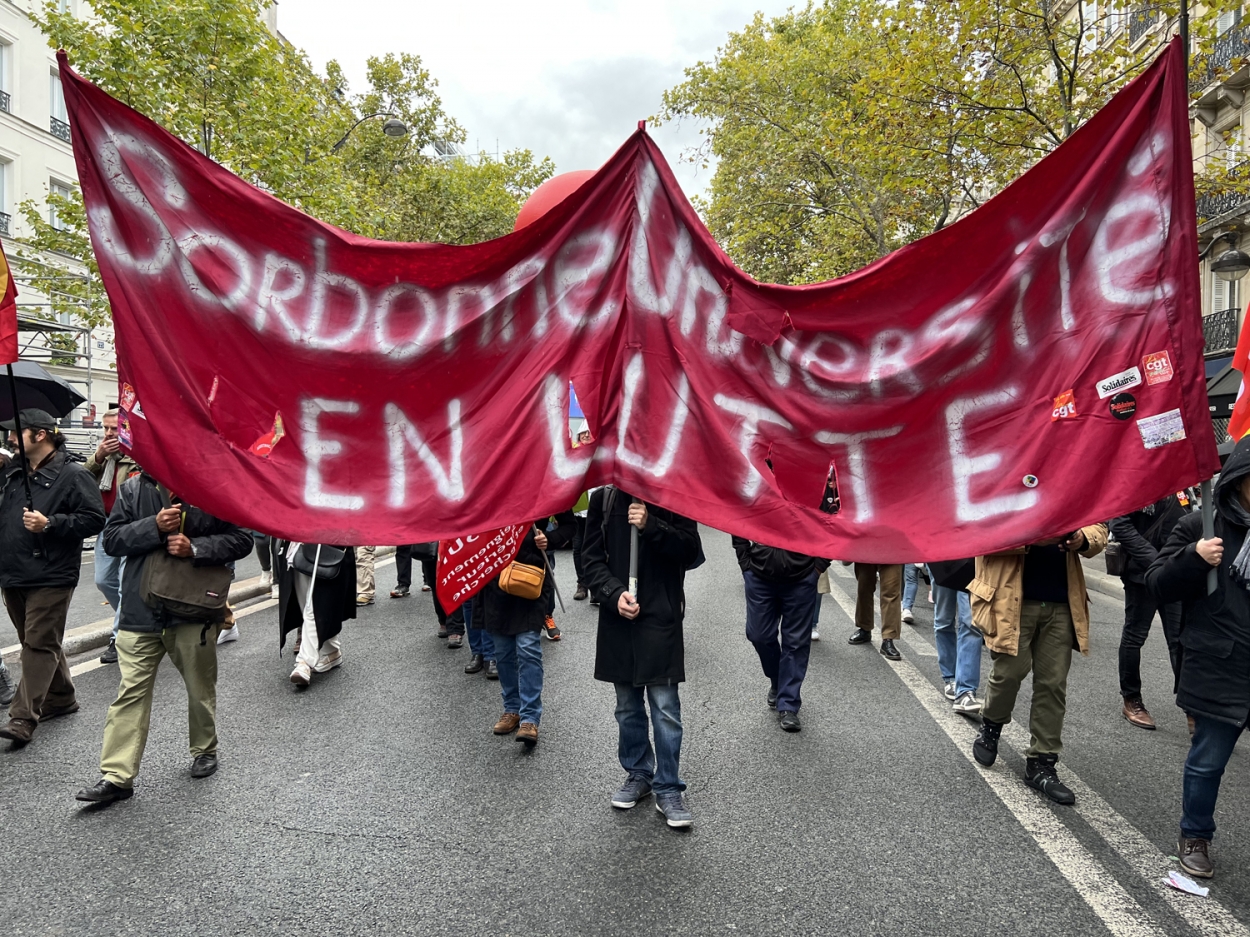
(475, 665)
(985, 748)
(1039, 773)
(110, 653)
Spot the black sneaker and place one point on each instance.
(7, 690)
(104, 792)
(860, 637)
(985, 748)
(110, 653)
(1039, 774)
(790, 721)
(633, 790)
(772, 697)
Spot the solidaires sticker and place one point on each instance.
(1160, 430)
(1118, 382)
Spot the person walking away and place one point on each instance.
(1141, 534)
(1032, 607)
(781, 600)
(515, 624)
(822, 589)
(958, 642)
(891, 576)
(317, 647)
(110, 467)
(147, 521)
(639, 648)
(364, 575)
(41, 545)
(1214, 683)
(403, 570)
(911, 581)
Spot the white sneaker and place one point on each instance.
(230, 634)
(968, 704)
(815, 634)
(948, 690)
(908, 616)
(266, 578)
(329, 661)
(301, 675)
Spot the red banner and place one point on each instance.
(997, 382)
(468, 563)
(8, 312)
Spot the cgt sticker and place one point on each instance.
(1123, 406)
(127, 401)
(1118, 382)
(1158, 367)
(124, 434)
(1065, 406)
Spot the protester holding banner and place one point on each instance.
(1214, 683)
(43, 521)
(513, 607)
(329, 573)
(1141, 534)
(1032, 607)
(174, 590)
(640, 648)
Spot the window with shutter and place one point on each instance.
(1227, 21)
(1219, 294)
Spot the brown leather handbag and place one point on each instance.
(522, 580)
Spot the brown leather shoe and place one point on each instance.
(51, 712)
(507, 723)
(19, 731)
(528, 733)
(1194, 858)
(1136, 713)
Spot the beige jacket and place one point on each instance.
(997, 593)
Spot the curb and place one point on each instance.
(1100, 582)
(96, 635)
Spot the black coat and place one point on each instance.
(69, 497)
(1142, 534)
(501, 613)
(131, 532)
(650, 649)
(1215, 639)
(334, 600)
(775, 564)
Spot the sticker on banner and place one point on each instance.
(264, 446)
(127, 400)
(138, 411)
(1158, 367)
(1123, 406)
(1118, 382)
(212, 394)
(1030, 481)
(1160, 430)
(124, 435)
(1065, 406)
(1183, 498)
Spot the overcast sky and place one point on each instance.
(569, 79)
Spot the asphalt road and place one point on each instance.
(378, 801)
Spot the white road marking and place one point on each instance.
(1205, 917)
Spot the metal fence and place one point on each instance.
(1219, 331)
(59, 129)
(6, 102)
(1140, 20)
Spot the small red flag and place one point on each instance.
(1239, 422)
(466, 564)
(8, 312)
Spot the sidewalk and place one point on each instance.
(95, 635)
(1096, 578)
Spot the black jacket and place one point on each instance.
(650, 649)
(69, 497)
(775, 564)
(334, 600)
(1142, 534)
(501, 613)
(1215, 640)
(131, 532)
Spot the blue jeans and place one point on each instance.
(520, 661)
(108, 579)
(958, 645)
(782, 609)
(480, 641)
(911, 580)
(658, 766)
(1209, 751)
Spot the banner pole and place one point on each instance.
(1208, 531)
(21, 450)
(633, 559)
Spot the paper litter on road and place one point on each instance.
(1186, 884)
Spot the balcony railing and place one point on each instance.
(59, 129)
(6, 224)
(1140, 21)
(1219, 331)
(6, 102)
(1228, 48)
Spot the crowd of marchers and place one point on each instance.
(165, 567)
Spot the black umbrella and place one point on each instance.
(37, 388)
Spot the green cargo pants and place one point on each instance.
(138, 655)
(1046, 642)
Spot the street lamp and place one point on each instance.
(1232, 264)
(393, 127)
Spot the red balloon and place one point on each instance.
(550, 194)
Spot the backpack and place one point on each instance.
(176, 587)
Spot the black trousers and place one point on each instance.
(578, 538)
(1139, 615)
(403, 566)
(454, 623)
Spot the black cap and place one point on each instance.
(32, 418)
